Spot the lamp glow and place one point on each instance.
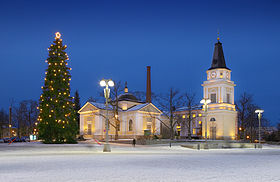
(111, 83)
(259, 111)
(102, 83)
(205, 101)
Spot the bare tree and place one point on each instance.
(247, 118)
(251, 124)
(168, 103)
(140, 95)
(190, 103)
(115, 104)
(4, 121)
(243, 105)
(26, 114)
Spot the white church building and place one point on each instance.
(221, 114)
(132, 119)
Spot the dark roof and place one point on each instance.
(218, 57)
(127, 97)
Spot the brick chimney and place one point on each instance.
(148, 91)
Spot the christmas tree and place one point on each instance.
(57, 118)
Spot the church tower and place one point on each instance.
(221, 114)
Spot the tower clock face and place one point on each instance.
(213, 74)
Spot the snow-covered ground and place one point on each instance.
(87, 162)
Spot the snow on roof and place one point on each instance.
(101, 105)
(137, 107)
(198, 107)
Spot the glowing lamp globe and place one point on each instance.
(102, 83)
(111, 83)
(205, 101)
(259, 111)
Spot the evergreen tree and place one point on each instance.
(57, 118)
(77, 106)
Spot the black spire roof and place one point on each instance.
(218, 57)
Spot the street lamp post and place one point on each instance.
(205, 103)
(259, 112)
(107, 83)
(10, 121)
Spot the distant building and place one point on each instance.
(132, 119)
(222, 115)
(6, 131)
(196, 121)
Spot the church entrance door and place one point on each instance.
(89, 129)
(213, 133)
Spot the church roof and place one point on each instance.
(185, 108)
(127, 97)
(137, 107)
(148, 107)
(218, 60)
(101, 105)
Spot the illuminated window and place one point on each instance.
(124, 107)
(184, 116)
(199, 115)
(193, 131)
(149, 124)
(199, 122)
(193, 115)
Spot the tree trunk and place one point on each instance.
(116, 133)
(189, 126)
(171, 133)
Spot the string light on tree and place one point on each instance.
(54, 106)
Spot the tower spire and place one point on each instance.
(218, 35)
(218, 60)
(125, 88)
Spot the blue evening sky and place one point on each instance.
(118, 39)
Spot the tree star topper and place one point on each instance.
(57, 35)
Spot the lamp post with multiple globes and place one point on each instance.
(205, 103)
(106, 83)
(259, 112)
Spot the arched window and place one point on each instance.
(212, 119)
(130, 127)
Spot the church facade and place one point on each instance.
(128, 117)
(221, 115)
